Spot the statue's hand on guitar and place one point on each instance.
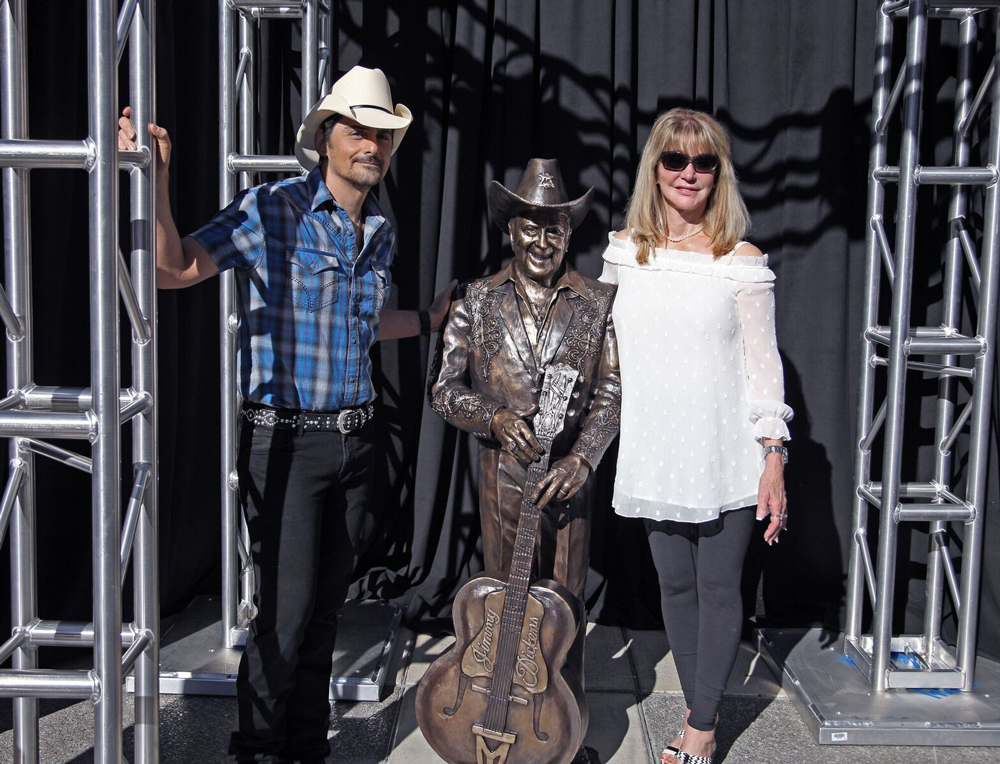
(560, 483)
(516, 436)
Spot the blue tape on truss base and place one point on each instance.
(935, 692)
(915, 662)
(910, 660)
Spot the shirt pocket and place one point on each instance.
(315, 277)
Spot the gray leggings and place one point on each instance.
(699, 566)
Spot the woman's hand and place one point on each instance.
(771, 501)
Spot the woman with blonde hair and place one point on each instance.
(703, 421)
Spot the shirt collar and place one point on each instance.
(571, 279)
(317, 192)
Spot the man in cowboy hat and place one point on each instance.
(501, 334)
(311, 257)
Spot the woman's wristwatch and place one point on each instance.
(777, 450)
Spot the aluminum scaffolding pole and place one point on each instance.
(900, 326)
(228, 328)
(873, 275)
(833, 703)
(95, 413)
(982, 388)
(102, 58)
(310, 54)
(248, 141)
(951, 320)
(20, 365)
(145, 435)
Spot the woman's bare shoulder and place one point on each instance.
(622, 235)
(747, 250)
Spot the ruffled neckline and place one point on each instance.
(730, 265)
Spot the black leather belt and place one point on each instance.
(345, 420)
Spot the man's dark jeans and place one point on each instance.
(306, 496)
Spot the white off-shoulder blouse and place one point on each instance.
(702, 381)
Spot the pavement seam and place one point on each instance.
(406, 651)
(638, 699)
(390, 745)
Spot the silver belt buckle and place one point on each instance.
(348, 420)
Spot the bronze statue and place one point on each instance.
(529, 364)
(501, 334)
(509, 691)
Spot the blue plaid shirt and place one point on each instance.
(308, 309)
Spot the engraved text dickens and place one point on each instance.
(527, 666)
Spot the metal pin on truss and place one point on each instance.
(17, 473)
(965, 125)
(61, 455)
(15, 328)
(883, 247)
(969, 249)
(132, 514)
(140, 326)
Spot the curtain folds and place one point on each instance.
(492, 83)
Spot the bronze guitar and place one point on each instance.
(500, 695)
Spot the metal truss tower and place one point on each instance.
(238, 163)
(866, 699)
(31, 414)
(924, 660)
(199, 662)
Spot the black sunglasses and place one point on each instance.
(675, 161)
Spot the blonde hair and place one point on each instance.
(726, 218)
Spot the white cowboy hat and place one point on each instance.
(362, 95)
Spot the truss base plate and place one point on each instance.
(836, 701)
(193, 660)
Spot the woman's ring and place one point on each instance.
(780, 516)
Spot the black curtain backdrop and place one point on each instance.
(492, 83)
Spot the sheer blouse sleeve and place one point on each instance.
(768, 412)
(610, 273)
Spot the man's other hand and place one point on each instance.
(127, 135)
(438, 309)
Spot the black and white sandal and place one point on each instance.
(686, 758)
(671, 751)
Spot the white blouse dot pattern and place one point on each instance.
(672, 316)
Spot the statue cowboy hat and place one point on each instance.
(541, 190)
(362, 95)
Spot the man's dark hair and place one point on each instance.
(327, 125)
